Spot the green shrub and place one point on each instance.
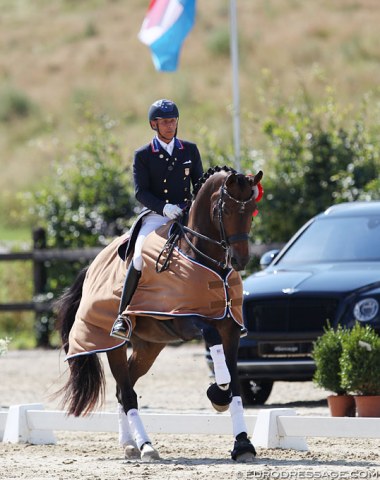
(327, 350)
(88, 201)
(360, 361)
(318, 155)
(90, 198)
(14, 104)
(219, 42)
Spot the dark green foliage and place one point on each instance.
(14, 104)
(87, 202)
(327, 351)
(360, 361)
(91, 197)
(318, 158)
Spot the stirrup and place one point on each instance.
(243, 332)
(122, 327)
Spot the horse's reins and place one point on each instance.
(224, 243)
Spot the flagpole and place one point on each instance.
(235, 82)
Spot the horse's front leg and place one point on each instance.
(224, 356)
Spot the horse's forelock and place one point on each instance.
(241, 180)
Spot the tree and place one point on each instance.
(87, 201)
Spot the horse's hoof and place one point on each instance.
(247, 457)
(220, 408)
(149, 453)
(243, 451)
(131, 452)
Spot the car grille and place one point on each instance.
(289, 315)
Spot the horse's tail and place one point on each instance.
(85, 388)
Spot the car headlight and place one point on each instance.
(366, 309)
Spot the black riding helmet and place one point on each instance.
(163, 109)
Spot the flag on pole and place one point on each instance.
(164, 30)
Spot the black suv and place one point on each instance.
(328, 273)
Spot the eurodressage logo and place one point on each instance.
(327, 475)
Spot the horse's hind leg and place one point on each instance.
(132, 434)
(126, 438)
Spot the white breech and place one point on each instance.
(149, 223)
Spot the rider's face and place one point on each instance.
(166, 128)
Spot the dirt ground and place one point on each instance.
(177, 382)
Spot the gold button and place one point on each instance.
(166, 190)
(167, 201)
(185, 199)
(165, 180)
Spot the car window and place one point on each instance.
(335, 239)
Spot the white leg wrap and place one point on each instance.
(125, 434)
(237, 416)
(137, 427)
(222, 375)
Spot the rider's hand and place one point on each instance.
(172, 211)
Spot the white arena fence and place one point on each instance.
(270, 428)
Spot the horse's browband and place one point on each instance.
(242, 203)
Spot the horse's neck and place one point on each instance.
(201, 222)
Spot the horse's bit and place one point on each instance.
(225, 242)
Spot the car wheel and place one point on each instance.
(255, 392)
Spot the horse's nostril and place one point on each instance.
(236, 265)
(239, 264)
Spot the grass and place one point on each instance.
(15, 236)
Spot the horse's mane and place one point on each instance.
(207, 175)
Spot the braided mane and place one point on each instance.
(207, 175)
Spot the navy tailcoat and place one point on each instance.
(161, 178)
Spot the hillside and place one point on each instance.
(56, 54)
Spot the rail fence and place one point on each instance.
(270, 428)
(40, 255)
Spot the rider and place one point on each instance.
(163, 172)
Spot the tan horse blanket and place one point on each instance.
(185, 288)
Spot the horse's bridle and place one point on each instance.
(225, 242)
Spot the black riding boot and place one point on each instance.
(122, 328)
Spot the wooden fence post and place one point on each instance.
(40, 280)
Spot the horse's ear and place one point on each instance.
(254, 180)
(257, 188)
(231, 178)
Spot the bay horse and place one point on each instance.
(215, 240)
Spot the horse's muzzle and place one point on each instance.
(239, 263)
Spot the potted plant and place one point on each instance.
(360, 372)
(326, 353)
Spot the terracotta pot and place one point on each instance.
(368, 405)
(341, 405)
